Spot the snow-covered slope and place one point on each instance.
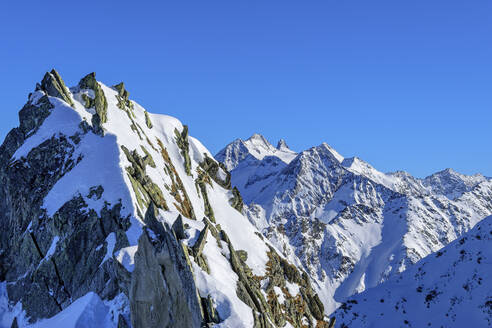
(449, 288)
(452, 184)
(351, 226)
(112, 216)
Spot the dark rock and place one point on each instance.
(183, 145)
(212, 168)
(54, 86)
(236, 201)
(100, 103)
(178, 228)
(14, 323)
(163, 291)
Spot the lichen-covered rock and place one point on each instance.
(148, 121)
(237, 201)
(141, 182)
(184, 146)
(54, 86)
(100, 102)
(163, 291)
(211, 315)
(217, 171)
(201, 181)
(183, 203)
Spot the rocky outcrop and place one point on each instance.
(99, 101)
(145, 190)
(296, 309)
(178, 191)
(53, 85)
(148, 121)
(237, 201)
(201, 183)
(217, 171)
(184, 146)
(163, 292)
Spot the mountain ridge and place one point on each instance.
(110, 210)
(323, 209)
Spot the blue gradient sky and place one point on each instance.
(401, 84)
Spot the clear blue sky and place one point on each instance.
(401, 84)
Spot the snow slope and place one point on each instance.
(449, 288)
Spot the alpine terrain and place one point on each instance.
(111, 216)
(449, 288)
(351, 228)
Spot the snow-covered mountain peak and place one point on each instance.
(256, 146)
(282, 145)
(351, 225)
(333, 152)
(259, 139)
(121, 209)
(452, 184)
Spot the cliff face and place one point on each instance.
(111, 216)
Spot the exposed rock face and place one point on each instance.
(163, 292)
(217, 171)
(54, 86)
(183, 144)
(99, 102)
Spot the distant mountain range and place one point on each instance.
(350, 226)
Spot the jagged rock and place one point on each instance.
(202, 240)
(122, 322)
(211, 315)
(54, 86)
(198, 249)
(237, 201)
(183, 203)
(201, 182)
(212, 167)
(100, 102)
(141, 182)
(243, 255)
(14, 323)
(183, 145)
(178, 228)
(31, 116)
(124, 102)
(148, 121)
(148, 160)
(88, 101)
(163, 291)
(122, 92)
(248, 289)
(96, 191)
